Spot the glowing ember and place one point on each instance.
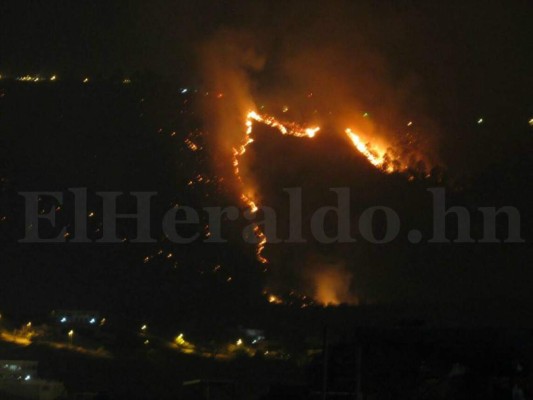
(261, 245)
(191, 145)
(273, 299)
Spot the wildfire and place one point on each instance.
(332, 286)
(261, 245)
(285, 128)
(375, 157)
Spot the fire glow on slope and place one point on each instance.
(290, 129)
(373, 155)
(332, 286)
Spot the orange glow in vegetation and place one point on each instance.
(284, 128)
(273, 299)
(332, 287)
(375, 157)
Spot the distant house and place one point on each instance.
(18, 369)
(19, 380)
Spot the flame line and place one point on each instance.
(374, 157)
(290, 129)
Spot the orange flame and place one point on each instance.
(285, 128)
(375, 157)
(332, 287)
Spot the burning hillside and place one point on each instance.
(230, 63)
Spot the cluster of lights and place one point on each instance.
(52, 78)
(29, 78)
(180, 343)
(35, 78)
(239, 344)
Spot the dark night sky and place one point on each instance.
(459, 60)
(477, 42)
